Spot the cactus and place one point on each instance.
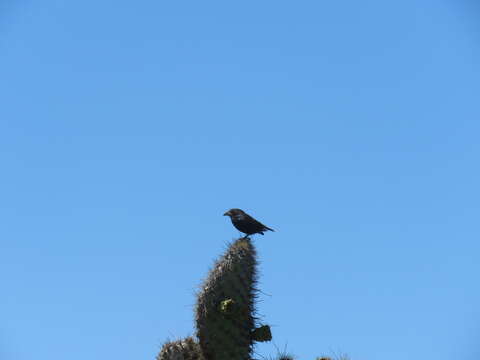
(225, 313)
(225, 310)
(185, 349)
(262, 333)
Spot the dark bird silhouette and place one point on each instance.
(245, 223)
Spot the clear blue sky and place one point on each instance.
(351, 127)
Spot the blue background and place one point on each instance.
(128, 128)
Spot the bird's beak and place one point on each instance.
(226, 214)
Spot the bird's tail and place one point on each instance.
(267, 228)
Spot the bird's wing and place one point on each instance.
(258, 223)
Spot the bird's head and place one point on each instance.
(233, 212)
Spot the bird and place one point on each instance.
(245, 223)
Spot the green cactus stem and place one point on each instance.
(184, 349)
(225, 307)
(262, 333)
